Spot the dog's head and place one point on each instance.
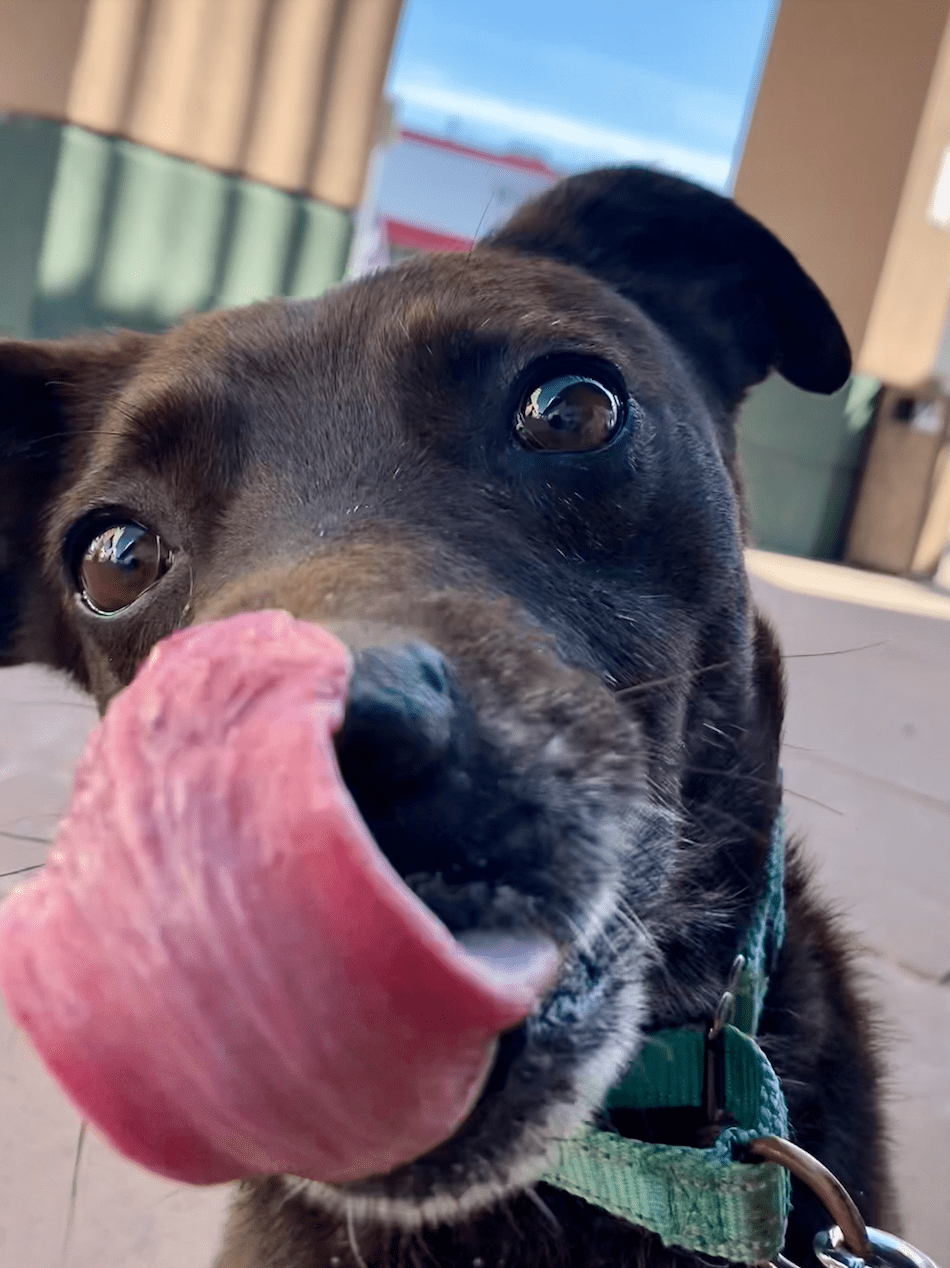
(507, 480)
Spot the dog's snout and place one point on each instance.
(399, 718)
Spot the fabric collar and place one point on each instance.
(701, 1199)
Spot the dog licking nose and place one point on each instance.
(218, 963)
(301, 918)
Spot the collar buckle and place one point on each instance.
(714, 1075)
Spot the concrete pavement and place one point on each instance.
(867, 775)
(867, 769)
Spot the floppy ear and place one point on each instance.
(724, 287)
(51, 397)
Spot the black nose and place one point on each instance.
(398, 722)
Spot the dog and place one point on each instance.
(512, 474)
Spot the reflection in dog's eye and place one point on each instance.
(568, 414)
(118, 565)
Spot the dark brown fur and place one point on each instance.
(616, 702)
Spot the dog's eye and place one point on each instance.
(118, 565)
(568, 414)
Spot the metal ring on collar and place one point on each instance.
(827, 1188)
(850, 1243)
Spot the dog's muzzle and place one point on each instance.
(218, 963)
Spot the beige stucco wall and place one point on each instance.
(830, 141)
(39, 40)
(910, 304)
(283, 91)
(903, 472)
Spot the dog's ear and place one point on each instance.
(724, 287)
(52, 395)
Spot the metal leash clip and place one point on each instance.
(849, 1243)
(886, 1249)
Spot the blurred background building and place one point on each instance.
(846, 159)
(431, 193)
(159, 157)
(163, 156)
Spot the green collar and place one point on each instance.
(701, 1199)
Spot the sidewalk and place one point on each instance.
(867, 776)
(867, 771)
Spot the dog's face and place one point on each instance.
(507, 481)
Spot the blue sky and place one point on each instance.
(581, 82)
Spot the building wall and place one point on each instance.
(39, 40)
(843, 150)
(455, 190)
(802, 456)
(907, 322)
(282, 91)
(162, 156)
(906, 467)
(832, 135)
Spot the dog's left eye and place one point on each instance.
(569, 414)
(120, 563)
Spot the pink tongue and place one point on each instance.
(218, 963)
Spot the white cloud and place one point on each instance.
(588, 141)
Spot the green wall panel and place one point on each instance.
(110, 233)
(29, 162)
(801, 458)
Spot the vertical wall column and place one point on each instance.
(842, 159)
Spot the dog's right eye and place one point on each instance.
(120, 563)
(572, 413)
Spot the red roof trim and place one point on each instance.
(522, 163)
(402, 234)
